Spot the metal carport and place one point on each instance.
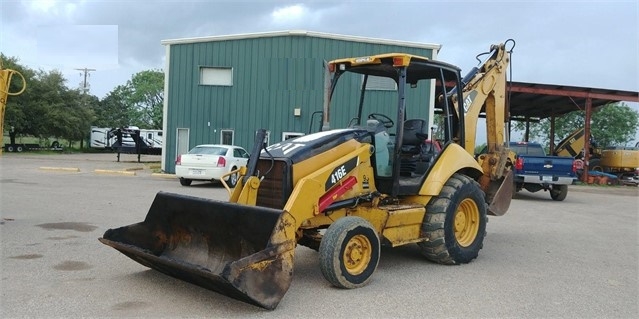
(532, 102)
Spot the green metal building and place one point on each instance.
(221, 89)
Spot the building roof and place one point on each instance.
(537, 101)
(303, 33)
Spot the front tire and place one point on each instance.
(455, 222)
(349, 252)
(559, 192)
(595, 165)
(185, 182)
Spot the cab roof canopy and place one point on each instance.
(384, 65)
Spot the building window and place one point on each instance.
(380, 83)
(216, 76)
(226, 137)
(290, 135)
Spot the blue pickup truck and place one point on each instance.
(535, 171)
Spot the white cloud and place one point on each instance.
(54, 7)
(289, 14)
(42, 5)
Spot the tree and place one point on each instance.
(138, 103)
(113, 110)
(147, 98)
(47, 108)
(75, 127)
(613, 124)
(16, 117)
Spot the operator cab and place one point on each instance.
(405, 146)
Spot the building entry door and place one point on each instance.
(182, 141)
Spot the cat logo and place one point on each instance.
(468, 101)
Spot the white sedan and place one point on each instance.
(209, 162)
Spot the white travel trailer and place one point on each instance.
(153, 138)
(106, 138)
(100, 137)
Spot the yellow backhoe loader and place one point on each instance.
(345, 192)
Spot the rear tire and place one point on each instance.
(349, 252)
(455, 222)
(559, 192)
(232, 179)
(185, 182)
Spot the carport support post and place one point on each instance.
(587, 138)
(552, 134)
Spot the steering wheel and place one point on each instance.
(385, 120)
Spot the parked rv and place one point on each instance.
(122, 139)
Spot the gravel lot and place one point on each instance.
(574, 259)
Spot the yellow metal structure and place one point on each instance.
(5, 82)
(343, 192)
(573, 145)
(622, 161)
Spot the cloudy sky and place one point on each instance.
(579, 43)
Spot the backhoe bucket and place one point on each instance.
(221, 246)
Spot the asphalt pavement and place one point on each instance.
(573, 259)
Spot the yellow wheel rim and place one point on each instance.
(357, 254)
(466, 222)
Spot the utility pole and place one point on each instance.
(85, 90)
(85, 84)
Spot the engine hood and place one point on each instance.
(304, 147)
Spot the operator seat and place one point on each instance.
(415, 153)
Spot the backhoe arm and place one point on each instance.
(485, 91)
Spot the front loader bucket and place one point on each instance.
(221, 246)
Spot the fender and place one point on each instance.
(451, 160)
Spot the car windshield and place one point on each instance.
(208, 150)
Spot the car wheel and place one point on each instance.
(232, 181)
(9, 148)
(185, 182)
